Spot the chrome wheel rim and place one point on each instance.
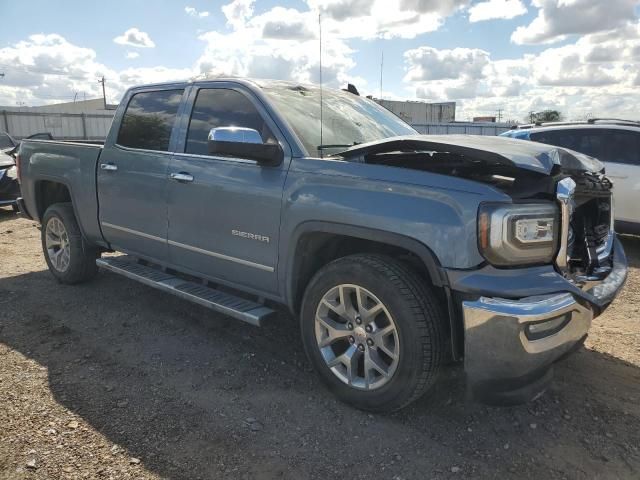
(57, 244)
(357, 337)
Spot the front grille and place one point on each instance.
(590, 224)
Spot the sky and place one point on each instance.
(581, 57)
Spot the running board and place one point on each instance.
(236, 307)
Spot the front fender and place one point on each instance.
(419, 211)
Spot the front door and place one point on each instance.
(224, 213)
(132, 175)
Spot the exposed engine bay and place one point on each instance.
(524, 171)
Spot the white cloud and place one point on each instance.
(192, 12)
(382, 18)
(286, 24)
(48, 68)
(427, 63)
(237, 12)
(558, 18)
(493, 9)
(597, 74)
(132, 55)
(135, 38)
(281, 43)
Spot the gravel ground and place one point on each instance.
(115, 380)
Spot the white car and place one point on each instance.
(616, 143)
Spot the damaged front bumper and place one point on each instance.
(511, 343)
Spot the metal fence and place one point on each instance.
(85, 126)
(95, 126)
(468, 128)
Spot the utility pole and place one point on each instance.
(104, 95)
(500, 110)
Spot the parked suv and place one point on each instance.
(614, 142)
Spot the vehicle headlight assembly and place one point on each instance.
(518, 234)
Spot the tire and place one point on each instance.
(416, 341)
(59, 222)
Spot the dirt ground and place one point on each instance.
(115, 380)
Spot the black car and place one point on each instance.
(9, 186)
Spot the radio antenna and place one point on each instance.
(381, 67)
(320, 30)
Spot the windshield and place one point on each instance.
(347, 119)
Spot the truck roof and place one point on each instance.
(255, 82)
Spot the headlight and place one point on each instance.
(12, 173)
(518, 234)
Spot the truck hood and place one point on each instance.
(532, 156)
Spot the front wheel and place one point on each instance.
(69, 257)
(373, 329)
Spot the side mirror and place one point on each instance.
(243, 143)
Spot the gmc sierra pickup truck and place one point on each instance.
(396, 251)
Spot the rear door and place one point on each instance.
(224, 221)
(132, 174)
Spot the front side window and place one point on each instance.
(149, 119)
(221, 107)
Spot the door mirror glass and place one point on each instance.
(241, 142)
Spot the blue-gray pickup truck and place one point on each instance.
(398, 252)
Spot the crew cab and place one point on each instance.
(396, 251)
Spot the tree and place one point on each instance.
(545, 116)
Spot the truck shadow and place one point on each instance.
(6, 214)
(197, 395)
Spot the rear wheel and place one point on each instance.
(69, 257)
(373, 330)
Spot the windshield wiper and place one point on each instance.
(330, 146)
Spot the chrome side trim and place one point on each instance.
(133, 232)
(142, 150)
(245, 161)
(221, 256)
(564, 193)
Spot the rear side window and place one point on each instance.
(621, 146)
(607, 145)
(221, 107)
(148, 120)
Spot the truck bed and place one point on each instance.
(72, 163)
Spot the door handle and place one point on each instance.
(181, 177)
(110, 167)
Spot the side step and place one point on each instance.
(236, 307)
